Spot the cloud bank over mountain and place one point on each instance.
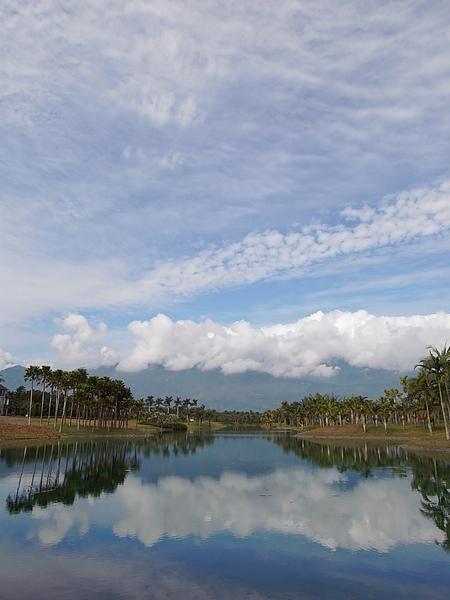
(310, 346)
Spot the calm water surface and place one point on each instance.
(223, 516)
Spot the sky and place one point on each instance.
(251, 185)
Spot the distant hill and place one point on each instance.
(246, 391)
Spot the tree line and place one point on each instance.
(59, 397)
(423, 399)
(62, 396)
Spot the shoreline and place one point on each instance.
(409, 438)
(15, 430)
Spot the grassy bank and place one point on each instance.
(417, 438)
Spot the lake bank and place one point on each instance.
(16, 429)
(409, 437)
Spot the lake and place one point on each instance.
(228, 516)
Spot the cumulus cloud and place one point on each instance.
(310, 346)
(82, 346)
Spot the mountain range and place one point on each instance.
(245, 391)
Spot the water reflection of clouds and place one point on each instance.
(59, 520)
(376, 514)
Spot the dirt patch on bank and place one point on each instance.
(17, 428)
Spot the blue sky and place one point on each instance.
(229, 185)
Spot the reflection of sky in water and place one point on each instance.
(375, 514)
(249, 524)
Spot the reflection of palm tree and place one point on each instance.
(91, 469)
(432, 479)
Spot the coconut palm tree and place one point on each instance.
(433, 366)
(384, 408)
(423, 390)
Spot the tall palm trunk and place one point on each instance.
(63, 416)
(430, 429)
(58, 394)
(30, 404)
(447, 435)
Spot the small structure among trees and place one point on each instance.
(3, 400)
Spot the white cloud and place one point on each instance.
(409, 216)
(6, 360)
(82, 347)
(399, 221)
(312, 345)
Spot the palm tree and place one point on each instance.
(119, 392)
(433, 366)
(424, 392)
(177, 404)
(138, 409)
(360, 404)
(82, 395)
(79, 377)
(168, 402)
(32, 374)
(445, 358)
(56, 378)
(441, 366)
(384, 408)
(68, 383)
(186, 405)
(44, 375)
(158, 403)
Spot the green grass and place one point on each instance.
(411, 436)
